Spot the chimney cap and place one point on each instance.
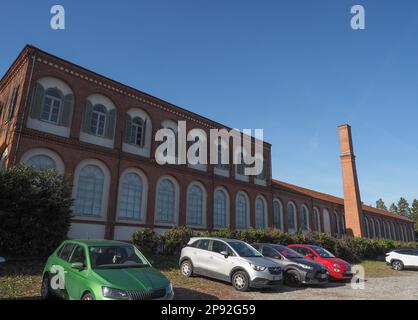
(344, 125)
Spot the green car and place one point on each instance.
(102, 270)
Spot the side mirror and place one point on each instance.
(224, 253)
(78, 265)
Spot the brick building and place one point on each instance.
(99, 133)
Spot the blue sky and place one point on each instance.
(294, 68)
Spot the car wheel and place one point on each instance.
(186, 268)
(241, 281)
(87, 296)
(292, 279)
(46, 293)
(397, 265)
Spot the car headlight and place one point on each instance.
(305, 266)
(114, 293)
(257, 268)
(337, 267)
(169, 289)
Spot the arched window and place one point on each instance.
(166, 202)
(327, 222)
(98, 120)
(241, 212)
(277, 214)
(342, 224)
(137, 132)
(366, 227)
(51, 106)
(220, 209)
(241, 165)
(377, 228)
(41, 162)
(89, 195)
(260, 213)
(317, 221)
(291, 218)
(304, 218)
(336, 223)
(3, 158)
(195, 206)
(384, 234)
(394, 233)
(372, 228)
(130, 197)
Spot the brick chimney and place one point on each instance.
(352, 200)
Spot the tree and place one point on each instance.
(35, 212)
(380, 204)
(414, 212)
(403, 207)
(393, 208)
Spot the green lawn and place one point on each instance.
(22, 280)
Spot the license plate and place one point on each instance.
(277, 278)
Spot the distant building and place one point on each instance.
(99, 133)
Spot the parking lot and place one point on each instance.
(22, 281)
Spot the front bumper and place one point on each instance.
(260, 279)
(315, 277)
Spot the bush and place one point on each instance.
(175, 239)
(34, 212)
(347, 248)
(146, 240)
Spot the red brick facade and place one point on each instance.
(17, 138)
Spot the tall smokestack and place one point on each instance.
(352, 200)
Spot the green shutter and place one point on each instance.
(37, 99)
(127, 129)
(87, 117)
(12, 103)
(67, 110)
(110, 124)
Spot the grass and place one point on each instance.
(22, 280)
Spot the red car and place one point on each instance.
(338, 268)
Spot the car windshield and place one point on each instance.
(286, 252)
(107, 257)
(244, 250)
(323, 253)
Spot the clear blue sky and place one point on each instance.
(294, 68)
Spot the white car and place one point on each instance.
(229, 260)
(401, 259)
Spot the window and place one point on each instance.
(78, 255)
(241, 166)
(203, 244)
(270, 253)
(41, 162)
(3, 157)
(89, 191)
(291, 221)
(195, 206)
(218, 246)
(12, 103)
(260, 211)
(304, 218)
(165, 201)
(277, 215)
(51, 106)
(336, 224)
(317, 222)
(98, 120)
(130, 197)
(366, 227)
(241, 212)
(221, 150)
(220, 209)
(137, 134)
(303, 251)
(66, 251)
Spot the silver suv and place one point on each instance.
(229, 260)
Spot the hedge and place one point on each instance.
(351, 249)
(34, 212)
